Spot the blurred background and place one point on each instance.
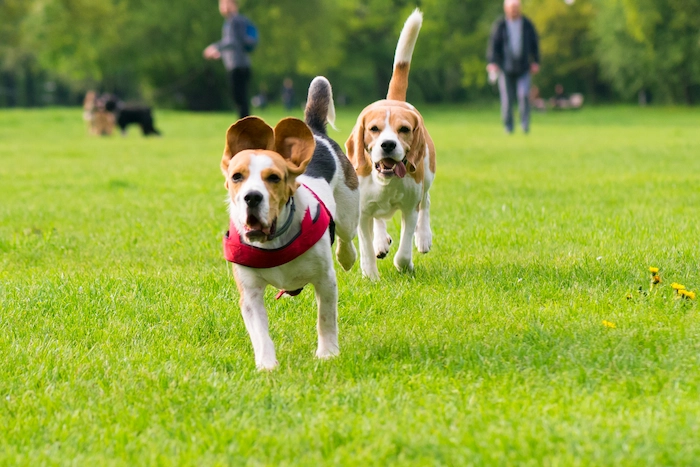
(52, 51)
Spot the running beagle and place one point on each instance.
(291, 190)
(394, 158)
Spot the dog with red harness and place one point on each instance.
(291, 191)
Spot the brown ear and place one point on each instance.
(355, 148)
(295, 142)
(416, 153)
(246, 133)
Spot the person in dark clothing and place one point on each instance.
(514, 55)
(231, 49)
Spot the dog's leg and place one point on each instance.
(382, 239)
(424, 236)
(368, 261)
(255, 318)
(348, 206)
(327, 299)
(403, 259)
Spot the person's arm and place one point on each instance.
(493, 51)
(228, 41)
(535, 46)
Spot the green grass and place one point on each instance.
(121, 341)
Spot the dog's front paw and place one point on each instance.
(371, 273)
(327, 351)
(381, 245)
(403, 264)
(267, 364)
(424, 241)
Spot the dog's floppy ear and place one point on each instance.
(355, 148)
(295, 142)
(416, 153)
(246, 133)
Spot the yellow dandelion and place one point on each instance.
(654, 271)
(608, 324)
(687, 294)
(676, 286)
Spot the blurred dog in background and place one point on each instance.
(102, 113)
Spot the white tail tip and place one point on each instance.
(408, 37)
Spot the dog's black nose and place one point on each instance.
(253, 199)
(388, 146)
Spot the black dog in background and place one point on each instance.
(126, 114)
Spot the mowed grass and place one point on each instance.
(121, 340)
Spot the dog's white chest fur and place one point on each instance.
(382, 200)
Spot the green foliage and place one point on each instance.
(567, 45)
(122, 342)
(650, 45)
(154, 49)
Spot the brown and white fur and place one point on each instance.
(263, 169)
(394, 157)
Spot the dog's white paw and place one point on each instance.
(381, 245)
(403, 264)
(371, 273)
(267, 364)
(327, 351)
(424, 241)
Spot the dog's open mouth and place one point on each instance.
(390, 167)
(255, 230)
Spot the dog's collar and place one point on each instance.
(312, 230)
(288, 222)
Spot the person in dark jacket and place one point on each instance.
(513, 55)
(231, 49)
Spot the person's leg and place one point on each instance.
(506, 86)
(523, 101)
(240, 77)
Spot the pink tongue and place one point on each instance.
(400, 169)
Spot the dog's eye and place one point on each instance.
(274, 178)
(374, 129)
(404, 129)
(237, 177)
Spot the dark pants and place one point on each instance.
(240, 78)
(515, 87)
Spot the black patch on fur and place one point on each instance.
(317, 104)
(322, 165)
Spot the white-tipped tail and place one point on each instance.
(408, 38)
(331, 112)
(319, 105)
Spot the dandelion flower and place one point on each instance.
(655, 279)
(654, 271)
(608, 324)
(676, 286)
(687, 294)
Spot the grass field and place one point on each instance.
(121, 342)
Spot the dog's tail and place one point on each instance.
(319, 105)
(402, 60)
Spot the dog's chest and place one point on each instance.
(305, 269)
(379, 200)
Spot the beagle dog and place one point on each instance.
(394, 158)
(291, 190)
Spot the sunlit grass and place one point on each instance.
(122, 342)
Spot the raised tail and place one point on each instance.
(319, 105)
(402, 60)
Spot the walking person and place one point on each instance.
(514, 55)
(233, 49)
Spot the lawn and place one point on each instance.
(121, 341)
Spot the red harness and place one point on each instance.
(312, 230)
